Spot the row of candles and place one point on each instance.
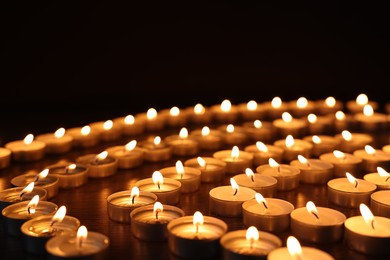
(224, 201)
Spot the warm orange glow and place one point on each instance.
(286, 117)
(273, 163)
(234, 185)
(108, 125)
(312, 118)
(174, 111)
(346, 135)
(28, 139)
(201, 162)
(338, 154)
(183, 134)
(294, 247)
(85, 130)
(340, 115)
(29, 188)
(81, 236)
(235, 152)
(368, 110)
(59, 133)
(129, 120)
(43, 174)
(261, 147)
(226, 106)
(367, 214)
(134, 194)
(205, 131)
(230, 128)
(312, 209)
(151, 114)
(316, 139)
(352, 179)
(180, 168)
(70, 167)
(369, 149)
(101, 156)
(251, 105)
(131, 145)
(302, 102)
(249, 173)
(31, 206)
(276, 102)
(157, 140)
(157, 208)
(157, 178)
(362, 99)
(199, 109)
(260, 199)
(198, 218)
(289, 141)
(330, 101)
(382, 172)
(59, 215)
(252, 235)
(303, 160)
(257, 124)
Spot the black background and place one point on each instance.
(68, 63)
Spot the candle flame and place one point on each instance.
(338, 154)
(257, 124)
(234, 185)
(273, 163)
(129, 120)
(70, 167)
(368, 110)
(201, 161)
(369, 149)
(312, 118)
(382, 172)
(31, 206)
(205, 131)
(82, 234)
(260, 199)
(330, 101)
(183, 134)
(134, 194)
(199, 109)
(131, 145)
(251, 105)
(85, 130)
(367, 214)
(362, 99)
(108, 125)
(29, 188)
(198, 218)
(157, 178)
(261, 147)
(303, 160)
(286, 117)
(294, 247)
(249, 173)
(157, 208)
(59, 215)
(174, 111)
(230, 128)
(276, 102)
(352, 179)
(157, 140)
(312, 209)
(151, 114)
(252, 234)
(316, 139)
(302, 102)
(226, 105)
(235, 152)
(340, 115)
(346, 135)
(43, 174)
(28, 139)
(101, 156)
(289, 141)
(59, 133)
(179, 168)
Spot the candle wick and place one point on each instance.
(22, 194)
(66, 169)
(80, 243)
(36, 178)
(157, 211)
(132, 200)
(316, 215)
(181, 176)
(372, 224)
(265, 205)
(252, 178)
(28, 210)
(235, 192)
(387, 179)
(279, 169)
(356, 184)
(251, 243)
(196, 230)
(158, 185)
(308, 164)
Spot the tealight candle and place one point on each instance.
(350, 142)
(149, 223)
(70, 175)
(301, 107)
(208, 139)
(82, 244)
(107, 130)
(268, 214)
(5, 157)
(129, 156)
(372, 158)
(39, 230)
(153, 120)
(343, 162)
(294, 251)
(236, 161)
(369, 121)
(317, 224)
(275, 107)
(227, 201)
(380, 203)
(196, 236)
(84, 137)
(121, 204)
(16, 214)
(287, 125)
(357, 105)
(259, 130)
(199, 114)
(182, 145)
(313, 171)
(189, 177)
(343, 121)
(262, 152)
(322, 144)
(167, 190)
(294, 147)
(251, 111)
(381, 178)
(225, 112)
(233, 135)
(27, 150)
(130, 125)
(350, 192)
(58, 143)
(248, 244)
(48, 182)
(287, 176)
(212, 170)
(265, 185)
(99, 165)
(368, 234)
(155, 150)
(319, 124)
(386, 148)
(174, 117)
(328, 106)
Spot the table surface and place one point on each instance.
(88, 203)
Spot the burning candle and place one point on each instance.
(343, 162)
(313, 171)
(350, 192)
(5, 157)
(70, 175)
(265, 185)
(182, 145)
(130, 125)
(225, 112)
(99, 165)
(380, 203)
(357, 105)
(227, 201)
(287, 176)
(368, 234)
(233, 135)
(319, 124)
(275, 107)
(27, 150)
(58, 142)
(249, 243)
(259, 130)
(317, 224)
(129, 156)
(149, 223)
(381, 178)
(212, 170)
(372, 158)
(188, 177)
(175, 117)
(343, 121)
(293, 147)
(251, 111)
(350, 142)
(121, 204)
(370, 121)
(39, 230)
(82, 244)
(328, 106)
(153, 120)
(208, 139)
(108, 131)
(196, 236)
(199, 115)
(301, 107)
(84, 137)
(167, 190)
(236, 161)
(269, 214)
(288, 125)
(322, 144)
(155, 150)
(262, 152)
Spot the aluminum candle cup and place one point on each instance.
(213, 170)
(156, 152)
(358, 141)
(251, 111)
(127, 159)
(130, 125)
(275, 218)
(175, 117)
(262, 157)
(308, 253)
(238, 136)
(323, 144)
(168, 192)
(357, 106)
(286, 175)
(50, 183)
(382, 182)
(299, 147)
(16, 214)
(295, 127)
(259, 131)
(69, 177)
(56, 145)
(37, 231)
(297, 109)
(327, 228)
(120, 204)
(190, 179)
(99, 168)
(145, 225)
(236, 246)
(319, 124)
(13, 195)
(153, 122)
(199, 115)
(348, 163)
(235, 165)
(22, 152)
(84, 137)
(182, 146)
(370, 162)
(371, 123)
(327, 106)
(224, 114)
(213, 140)
(107, 132)
(275, 108)
(265, 185)
(343, 193)
(380, 203)
(315, 171)
(5, 157)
